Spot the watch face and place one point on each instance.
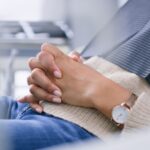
(120, 114)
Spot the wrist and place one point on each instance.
(108, 94)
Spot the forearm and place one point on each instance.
(107, 95)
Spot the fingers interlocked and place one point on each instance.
(44, 72)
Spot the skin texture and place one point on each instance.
(58, 78)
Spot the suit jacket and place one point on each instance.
(125, 40)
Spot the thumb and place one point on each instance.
(76, 56)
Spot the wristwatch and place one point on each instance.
(120, 112)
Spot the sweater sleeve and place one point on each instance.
(139, 117)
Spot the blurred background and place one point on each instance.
(25, 25)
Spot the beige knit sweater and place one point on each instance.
(94, 121)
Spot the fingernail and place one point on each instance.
(57, 74)
(39, 110)
(57, 93)
(56, 100)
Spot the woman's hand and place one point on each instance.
(80, 84)
(41, 87)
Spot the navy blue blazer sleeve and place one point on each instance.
(125, 40)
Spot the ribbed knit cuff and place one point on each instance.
(89, 119)
(139, 117)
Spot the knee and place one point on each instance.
(6, 101)
(6, 104)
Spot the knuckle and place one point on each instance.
(47, 85)
(32, 89)
(30, 62)
(50, 87)
(46, 96)
(35, 73)
(45, 46)
(42, 55)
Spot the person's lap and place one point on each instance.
(27, 129)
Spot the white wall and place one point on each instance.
(87, 17)
(36, 9)
(31, 9)
(54, 9)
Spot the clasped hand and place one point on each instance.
(58, 78)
